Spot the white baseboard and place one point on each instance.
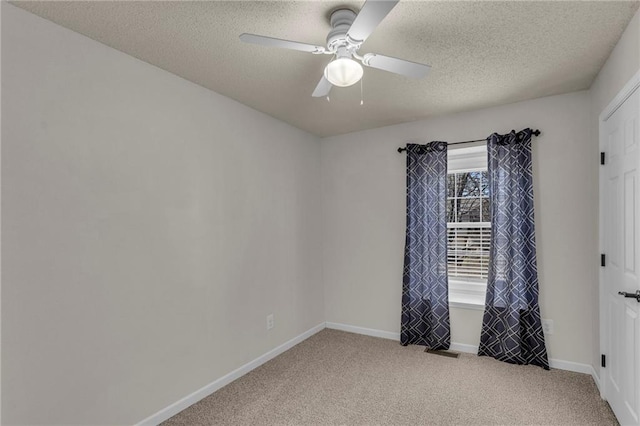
(596, 378)
(553, 363)
(207, 390)
(365, 331)
(459, 347)
(462, 347)
(570, 366)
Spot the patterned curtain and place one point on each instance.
(511, 327)
(425, 298)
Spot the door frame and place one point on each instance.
(629, 89)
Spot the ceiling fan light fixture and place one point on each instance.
(343, 72)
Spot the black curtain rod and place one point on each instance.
(534, 133)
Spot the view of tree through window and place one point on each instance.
(468, 223)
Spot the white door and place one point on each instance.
(620, 236)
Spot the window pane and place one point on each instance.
(468, 251)
(451, 210)
(451, 185)
(468, 210)
(468, 245)
(468, 184)
(474, 184)
(485, 184)
(485, 211)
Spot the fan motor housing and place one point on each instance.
(341, 21)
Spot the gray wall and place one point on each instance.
(363, 202)
(363, 181)
(149, 226)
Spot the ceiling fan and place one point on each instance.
(348, 32)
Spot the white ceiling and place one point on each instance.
(483, 53)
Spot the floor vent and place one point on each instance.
(449, 354)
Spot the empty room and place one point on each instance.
(372, 212)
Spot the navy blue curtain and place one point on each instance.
(511, 326)
(425, 298)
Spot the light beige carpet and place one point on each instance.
(344, 379)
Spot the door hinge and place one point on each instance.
(602, 157)
(603, 360)
(603, 260)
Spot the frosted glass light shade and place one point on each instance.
(343, 72)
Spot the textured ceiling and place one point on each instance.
(482, 53)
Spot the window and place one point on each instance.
(469, 226)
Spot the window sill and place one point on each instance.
(467, 295)
(466, 302)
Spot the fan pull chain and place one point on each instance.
(328, 99)
(361, 97)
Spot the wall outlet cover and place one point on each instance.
(270, 322)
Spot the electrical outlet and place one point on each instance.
(547, 326)
(270, 321)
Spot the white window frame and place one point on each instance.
(467, 293)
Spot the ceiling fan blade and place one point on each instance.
(323, 88)
(276, 42)
(395, 65)
(371, 14)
